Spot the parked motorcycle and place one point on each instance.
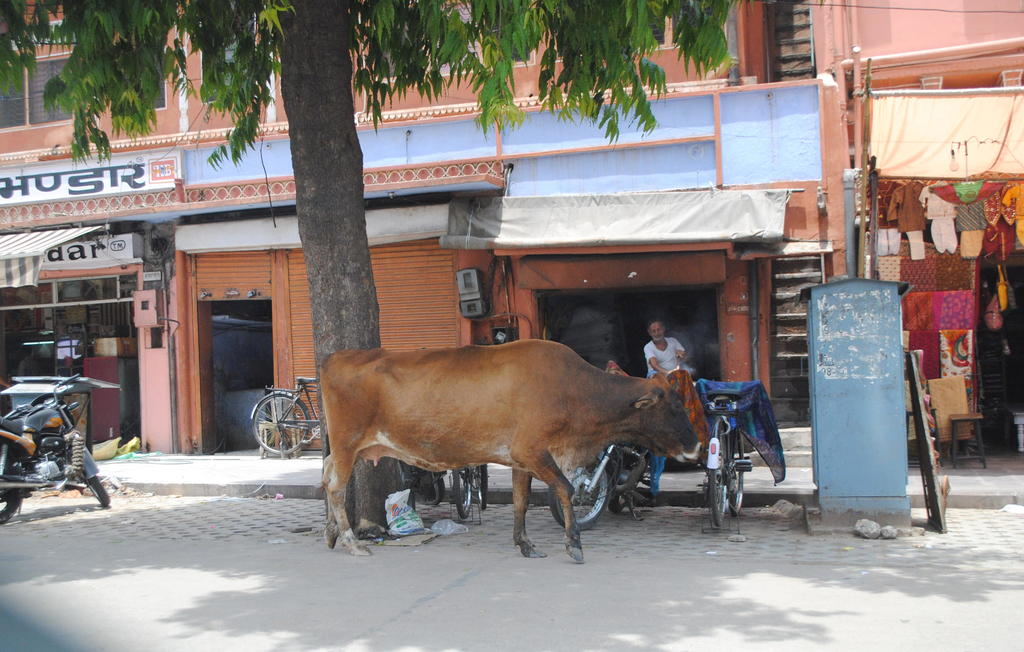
(40, 448)
(611, 482)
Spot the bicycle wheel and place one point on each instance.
(715, 496)
(462, 490)
(267, 417)
(736, 494)
(482, 486)
(586, 505)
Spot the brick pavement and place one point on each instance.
(977, 537)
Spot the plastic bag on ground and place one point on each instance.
(133, 445)
(447, 526)
(106, 450)
(402, 518)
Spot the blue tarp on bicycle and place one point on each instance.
(757, 422)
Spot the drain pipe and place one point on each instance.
(755, 319)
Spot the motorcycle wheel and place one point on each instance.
(715, 495)
(98, 490)
(616, 504)
(736, 494)
(11, 501)
(587, 506)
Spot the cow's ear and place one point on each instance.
(649, 399)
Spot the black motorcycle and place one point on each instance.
(611, 482)
(40, 448)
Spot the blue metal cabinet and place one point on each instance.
(855, 362)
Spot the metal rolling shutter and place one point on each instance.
(416, 292)
(303, 354)
(218, 276)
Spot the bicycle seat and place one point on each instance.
(722, 402)
(305, 381)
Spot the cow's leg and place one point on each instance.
(520, 500)
(337, 471)
(547, 471)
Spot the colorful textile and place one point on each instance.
(954, 309)
(889, 268)
(918, 314)
(956, 352)
(757, 423)
(971, 217)
(998, 241)
(682, 382)
(970, 244)
(920, 274)
(1013, 201)
(954, 273)
(927, 342)
(966, 192)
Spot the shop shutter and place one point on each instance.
(416, 292)
(233, 275)
(303, 354)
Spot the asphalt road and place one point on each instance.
(165, 573)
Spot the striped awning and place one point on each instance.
(21, 254)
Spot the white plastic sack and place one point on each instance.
(402, 518)
(447, 526)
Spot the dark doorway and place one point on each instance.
(243, 366)
(612, 325)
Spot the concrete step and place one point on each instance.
(795, 459)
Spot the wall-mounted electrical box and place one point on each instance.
(471, 297)
(471, 308)
(469, 284)
(148, 307)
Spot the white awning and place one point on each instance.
(635, 218)
(21, 254)
(383, 226)
(945, 134)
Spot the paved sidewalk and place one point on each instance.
(244, 474)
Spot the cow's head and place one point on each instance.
(665, 427)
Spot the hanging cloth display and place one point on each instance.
(1012, 201)
(999, 233)
(966, 192)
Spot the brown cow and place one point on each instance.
(532, 405)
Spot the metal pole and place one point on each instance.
(865, 144)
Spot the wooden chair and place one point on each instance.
(965, 428)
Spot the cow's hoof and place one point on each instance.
(352, 545)
(358, 551)
(331, 535)
(576, 553)
(529, 551)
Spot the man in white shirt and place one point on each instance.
(663, 354)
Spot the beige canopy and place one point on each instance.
(948, 134)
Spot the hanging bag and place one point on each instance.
(993, 316)
(1003, 289)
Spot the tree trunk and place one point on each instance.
(316, 80)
